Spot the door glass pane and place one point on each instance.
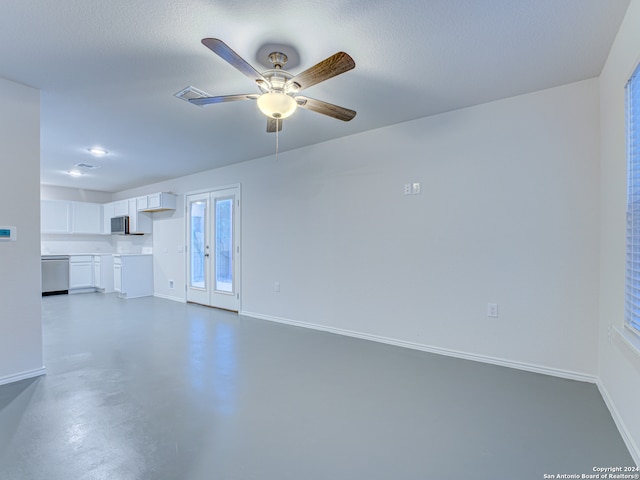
(197, 245)
(224, 245)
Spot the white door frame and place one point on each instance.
(209, 298)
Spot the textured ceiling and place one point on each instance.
(108, 69)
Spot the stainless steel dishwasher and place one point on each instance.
(55, 274)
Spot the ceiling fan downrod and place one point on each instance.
(278, 59)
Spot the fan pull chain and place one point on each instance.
(277, 129)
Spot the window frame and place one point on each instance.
(632, 235)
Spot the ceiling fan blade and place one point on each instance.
(224, 51)
(329, 67)
(202, 101)
(273, 125)
(325, 108)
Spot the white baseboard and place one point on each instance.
(555, 372)
(23, 376)
(170, 297)
(633, 448)
(82, 290)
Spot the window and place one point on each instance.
(632, 285)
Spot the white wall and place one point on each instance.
(20, 316)
(619, 365)
(51, 244)
(508, 214)
(50, 192)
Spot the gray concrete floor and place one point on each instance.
(153, 389)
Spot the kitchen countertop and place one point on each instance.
(93, 254)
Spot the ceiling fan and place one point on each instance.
(279, 89)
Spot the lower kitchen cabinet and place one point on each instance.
(80, 273)
(117, 274)
(133, 275)
(103, 273)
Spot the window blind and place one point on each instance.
(632, 284)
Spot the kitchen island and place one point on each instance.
(133, 275)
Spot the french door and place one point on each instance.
(213, 248)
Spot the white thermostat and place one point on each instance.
(7, 234)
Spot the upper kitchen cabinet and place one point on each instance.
(139, 222)
(121, 208)
(86, 217)
(62, 216)
(58, 216)
(157, 202)
(55, 216)
(108, 211)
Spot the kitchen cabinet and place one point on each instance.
(120, 208)
(59, 216)
(97, 270)
(80, 273)
(108, 211)
(157, 202)
(117, 274)
(103, 273)
(139, 222)
(143, 203)
(86, 217)
(133, 275)
(55, 216)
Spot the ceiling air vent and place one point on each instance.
(86, 165)
(190, 93)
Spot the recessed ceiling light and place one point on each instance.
(97, 151)
(75, 173)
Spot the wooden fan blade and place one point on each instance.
(224, 51)
(222, 99)
(325, 108)
(274, 125)
(329, 67)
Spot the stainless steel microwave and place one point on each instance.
(120, 225)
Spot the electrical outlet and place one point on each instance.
(276, 287)
(407, 189)
(171, 284)
(492, 310)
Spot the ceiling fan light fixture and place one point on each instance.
(277, 105)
